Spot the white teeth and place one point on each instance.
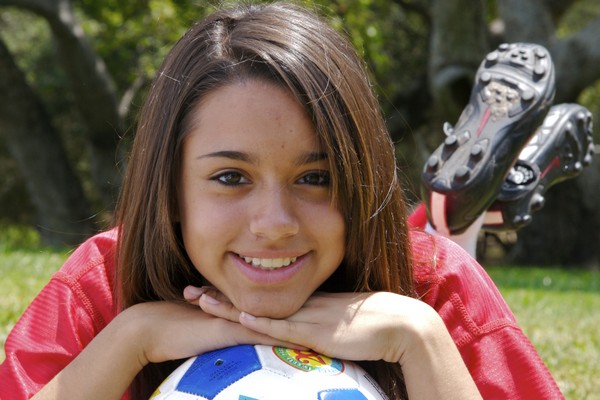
(269, 263)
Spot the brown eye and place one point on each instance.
(231, 178)
(317, 178)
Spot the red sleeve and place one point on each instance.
(501, 359)
(66, 315)
(418, 217)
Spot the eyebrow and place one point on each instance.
(232, 155)
(311, 157)
(245, 157)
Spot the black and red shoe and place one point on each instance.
(559, 150)
(514, 87)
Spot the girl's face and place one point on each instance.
(255, 202)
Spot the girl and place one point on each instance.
(261, 205)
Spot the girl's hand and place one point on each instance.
(168, 331)
(144, 333)
(366, 326)
(356, 326)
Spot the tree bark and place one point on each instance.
(62, 212)
(458, 44)
(577, 58)
(526, 21)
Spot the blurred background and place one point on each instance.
(73, 75)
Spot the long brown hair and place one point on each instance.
(294, 48)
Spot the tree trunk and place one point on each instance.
(63, 214)
(458, 44)
(93, 89)
(96, 98)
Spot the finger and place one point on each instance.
(219, 308)
(216, 294)
(258, 338)
(282, 329)
(234, 334)
(191, 294)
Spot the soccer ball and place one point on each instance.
(259, 372)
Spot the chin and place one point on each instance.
(275, 314)
(271, 309)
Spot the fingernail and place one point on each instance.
(247, 316)
(194, 291)
(210, 300)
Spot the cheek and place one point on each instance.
(340, 235)
(331, 228)
(207, 226)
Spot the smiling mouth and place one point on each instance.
(268, 264)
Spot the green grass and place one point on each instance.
(25, 267)
(558, 309)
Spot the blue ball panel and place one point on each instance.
(341, 394)
(212, 372)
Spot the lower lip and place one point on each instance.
(268, 277)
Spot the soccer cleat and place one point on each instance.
(559, 150)
(513, 89)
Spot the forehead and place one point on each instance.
(252, 112)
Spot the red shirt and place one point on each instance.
(78, 302)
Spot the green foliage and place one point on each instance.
(577, 16)
(133, 37)
(18, 237)
(392, 39)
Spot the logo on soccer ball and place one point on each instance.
(309, 361)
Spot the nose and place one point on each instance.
(273, 214)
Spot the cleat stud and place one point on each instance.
(485, 77)
(517, 220)
(462, 174)
(492, 57)
(540, 70)
(451, 141)
(569, 127)
(537, 202)
(477, 151)
(433, 163)
(464, 137)
(448, 128)
(528, 95)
